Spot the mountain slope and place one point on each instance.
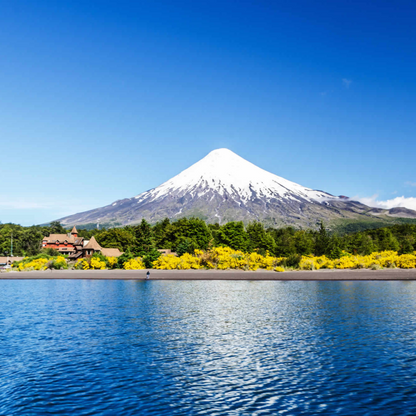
(224, 187)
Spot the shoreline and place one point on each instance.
(317, 275)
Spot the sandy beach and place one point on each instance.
(363, 274)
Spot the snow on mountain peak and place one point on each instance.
(225, 172)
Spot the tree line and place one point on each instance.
(187, 234)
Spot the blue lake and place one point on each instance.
(90, 347)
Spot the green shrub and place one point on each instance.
(186, 245)
(50, 252)
(151, 256)
(291, 261)
(124, 258)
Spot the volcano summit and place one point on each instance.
(224, 187)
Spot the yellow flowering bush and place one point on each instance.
(376, 260)
(58, 263)
(187, 261)
(134, 264)
(407, 261)
(268, 262)
(227, 258)
(316, 263)
(112, 262)
(36, 264)
(307, 263)
(82, 264)
(221, 258)
(345, 263)
(41, 262)
(97, 264)
(167, 262)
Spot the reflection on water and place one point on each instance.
(181, 347)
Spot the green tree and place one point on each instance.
(199, 232)
(233, 235)
(303, 242)
(144, 238)
(116, 238)
(359, 243)
(88, 233)
(259, 239)
(161, 234)
(193, 229)
(31, 240)
(321, 241)
(406, 246)
(214, 229)
(386, 240)
(285, 241)
(333, 249)
(55, 227)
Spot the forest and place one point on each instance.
(188, 234)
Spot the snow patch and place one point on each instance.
(225, 173)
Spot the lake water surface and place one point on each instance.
(92, 347)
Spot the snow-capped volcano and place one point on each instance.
(225, 173)
(224, 187)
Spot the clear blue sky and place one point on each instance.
(102, 100)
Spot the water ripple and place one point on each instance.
(207, 348)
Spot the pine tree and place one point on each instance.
(321, 241)
(144, 240)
